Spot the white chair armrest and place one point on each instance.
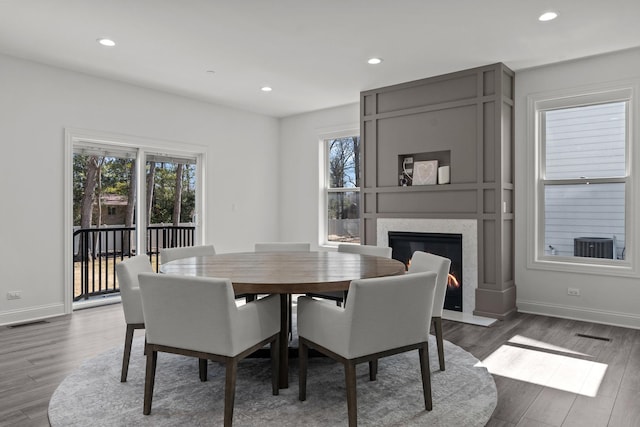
(323, 323)
(132, 306)
(254, 322)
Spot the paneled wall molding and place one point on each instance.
(463, 120)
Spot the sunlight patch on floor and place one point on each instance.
(546, 369)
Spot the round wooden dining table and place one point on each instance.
(286, 273)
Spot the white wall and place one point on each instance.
(37, 102)
(604, 298)
(300, 163)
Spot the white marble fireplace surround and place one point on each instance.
(469, 230)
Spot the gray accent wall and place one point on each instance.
(463, 120)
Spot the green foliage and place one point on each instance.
(116, 176)
(164, 193)
(79, 179)
(116, 179)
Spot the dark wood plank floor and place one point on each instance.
(35, 358)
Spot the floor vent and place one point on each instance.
(37, 322)
(593, 337)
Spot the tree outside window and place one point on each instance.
(343, 189)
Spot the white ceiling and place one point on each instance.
(313, 53)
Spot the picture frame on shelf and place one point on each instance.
(425, 172)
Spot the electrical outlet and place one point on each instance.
(408, 160)
(575, 292)
(14, 295)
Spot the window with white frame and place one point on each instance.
(342, 189)
(583, 177)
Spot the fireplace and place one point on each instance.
(448, 245)
(469, 230)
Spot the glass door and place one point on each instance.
(104, 220)
(171, 203)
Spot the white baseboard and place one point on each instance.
(97, 302)
(31, 314)
(624, 320)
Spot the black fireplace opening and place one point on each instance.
(448, 245)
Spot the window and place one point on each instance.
(342, 189)
(584, 178)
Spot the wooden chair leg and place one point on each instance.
(426, 376)
(290, 303)
(230, 390)
(437, 325)
(150, 376)
(373, 370)
(352, 404)
(202, 365)
(128, 339)
(302, 375)
(275, 365)
(284, 341)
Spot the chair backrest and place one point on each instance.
(193, 313)
(380, 251)
(388, 312)
(127, 273)
(423, 261)
(283, 247)
(171, 254)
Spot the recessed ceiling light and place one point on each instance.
(374, 61)
(106, 42)
(266, 89)
(548, 16)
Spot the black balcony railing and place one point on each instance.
(96, 251)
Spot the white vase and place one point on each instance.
(443, 175)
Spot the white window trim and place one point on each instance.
(323, 220)
(75, 137)
(536, 259)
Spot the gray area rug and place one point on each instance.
(463, 395)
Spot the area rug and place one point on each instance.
(463, 395)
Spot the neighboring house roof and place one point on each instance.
(113, 200)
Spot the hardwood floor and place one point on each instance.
(530, 351)
(537, 351)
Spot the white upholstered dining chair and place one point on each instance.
(340, 297)
(381, 251)
(172, 254)
(369, 328)
(423, 261)
(127, 273)
(198, 317)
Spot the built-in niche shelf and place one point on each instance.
(407, 167)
